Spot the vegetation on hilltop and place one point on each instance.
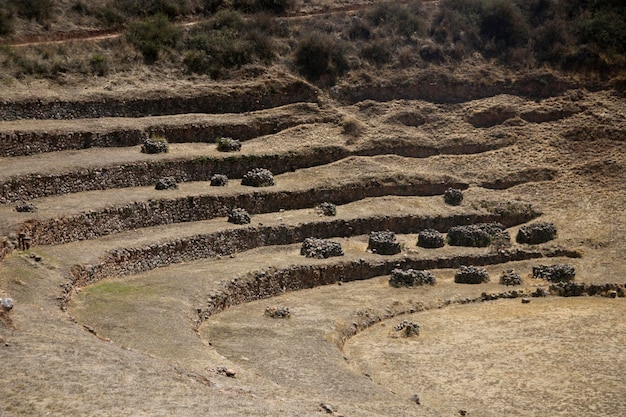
(579, 35)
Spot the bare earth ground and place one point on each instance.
(132, 346)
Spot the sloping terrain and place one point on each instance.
(135, 301)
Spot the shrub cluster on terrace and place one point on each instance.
(239, 216)
(555, 273)
(431, 239)
(383, 243)
(535, 233)
(320, 248)
(228, 145)
(471, 275)
(411, 278)
(155, 144)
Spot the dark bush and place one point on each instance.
(378, 52)
(383, 243)
(471, 275)
(143, 8)
(166, 183)
(278, 7)
(475, 235)
(155, 144)
(535, 233)
(239, 216)
(555, 273)
(398, 19)
(226, 41)
(359, 30)
(99, 64)
(430, 238)
(503, 26)
(152, 34)
(453, 196)
(6, 19)
(219, 180)
(40, 10)
(320, 248)
(258, 177)
(408, 328)
(320, 57)
(228, 145)
(411, 278)
(327, 209)
(510, 277)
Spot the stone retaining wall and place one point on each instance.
(147, 173)
(128, 261)
(134, 215)
(273, 282)
(258, 96)
(21, 143)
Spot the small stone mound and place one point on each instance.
(25, 207)
(277, 312)
(228, 145)
(477, 235)
(408, 328)
(555, 273)
(320, 248)
(156, 144)
(219, 180)
(239, 216)
(430, 239)
(258, 177)
(411, 278)
(327, 209)
(453, 196)
(471, 275)
(166, 183)
(510, 277)
(383, 243)
(535, 233)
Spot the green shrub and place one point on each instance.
(400, 19)
(503, 26)
(40, 10)
(152, 34)
(226, 41)
(320, 57)
(99, 64)
(279, 7)
(378, 52)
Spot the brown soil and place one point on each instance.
(152, 343)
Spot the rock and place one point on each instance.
(477, 235)
(6, 304)
(327, 209)
(219, 180)
(525, 301)
(228, 145)
(416, 399)
(536, 233)
(258, 177)
(155, 144)
(320, 248)
(166, 183)
(239, 216)
(25, 207)
(453, 196)
(222, 370)
(277, 312)
(431, 239)
(554, 273)
(471, 275)
(510, 277)
(411, 278)
(383, 243)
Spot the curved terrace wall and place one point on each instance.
(127, 261)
